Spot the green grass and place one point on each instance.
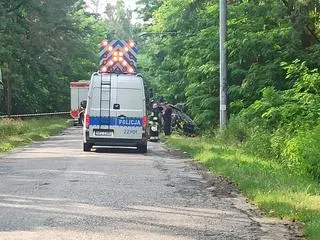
(14, 133)
(268, 183)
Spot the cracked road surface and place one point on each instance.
(54, 190)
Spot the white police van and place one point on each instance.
(116, 112)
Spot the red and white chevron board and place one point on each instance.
(118, 56)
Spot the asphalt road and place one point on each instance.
(54, 190)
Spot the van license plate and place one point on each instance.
(103, 133)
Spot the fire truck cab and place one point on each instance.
(78, 93)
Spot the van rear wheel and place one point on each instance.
(87, 147)
(142, 148)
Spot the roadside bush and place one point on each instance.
(236, 132)
(15, 132)
(283, 125)
(278, 142)
(302, 153)
(299, 152)
(259, 143)
(10, 127)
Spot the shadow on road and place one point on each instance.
(115, 150)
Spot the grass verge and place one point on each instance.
(16, 132)
(268, 183)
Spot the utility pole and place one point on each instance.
(223, 64)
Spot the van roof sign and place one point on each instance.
(118, 56)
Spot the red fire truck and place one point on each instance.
(79, 92)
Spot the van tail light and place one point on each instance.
(144, 121)
(87, 121)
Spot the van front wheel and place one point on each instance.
(87, 147)
(142, 148)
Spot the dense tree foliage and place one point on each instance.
(145, 8)
(261, 35)
(273, 77)
(43, 46)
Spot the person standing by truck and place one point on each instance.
(157, 111)
(167, 117)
